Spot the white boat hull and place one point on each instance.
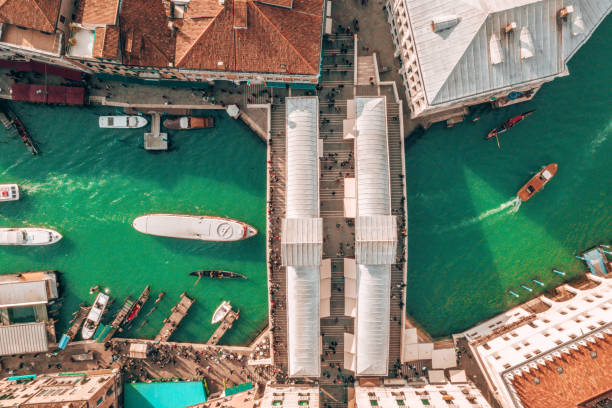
(122, 122)
(200, 227)
(28, 236)
(222, 311)
(95, 316)
(9, 192)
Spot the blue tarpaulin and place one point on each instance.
(163, 394)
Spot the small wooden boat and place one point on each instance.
(9, 192)
(200, 227)
(28, 236)
(537, 182)
(217, 274)
(222, 311)
(160, 296)
(508, 124)
(122, 122)
(94, 289)
(142, 299)
(95, 316)
(189, 122)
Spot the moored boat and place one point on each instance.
(217, 274)
(189, 122)
(200, 227)
(142, 299)
(95, 316)
(9, 192)
(28, 236)
(221, 311)
(122, 122)
(508, 124)
(537, 182)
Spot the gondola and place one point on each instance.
(508, 124)
(217, 274)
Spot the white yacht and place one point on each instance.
(9, 192)
(95, 316)
(122, 122)
(222, 311)
(28, 236)
(200, 227)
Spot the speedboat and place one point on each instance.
(189, 122)
(537, 182)
(200, 227)
(95, 316)
(122, 122)
(222, 311)
(9, 192)
(28, 236)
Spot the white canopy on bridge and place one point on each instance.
(377, 237)
(302, 237)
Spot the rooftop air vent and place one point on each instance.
(526, 44)
(444, 23)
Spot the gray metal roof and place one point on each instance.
(23, 338)
(456, 63)
(23, 293)
(302, 241)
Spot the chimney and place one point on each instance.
(565, 12)
(444, 23)
(179, 8)
(221, 64)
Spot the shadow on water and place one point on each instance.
(461, 234)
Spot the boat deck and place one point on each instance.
(226, 324)
(178, 313)
(78, 321)
(597, 262)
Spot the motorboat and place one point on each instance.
(218, 274)
(200, 227)
(508, 124)
(537, 182)
(95, 316)
(122, 122)
(222, 311)
(28, 236)
(189, 122)
(9, 192)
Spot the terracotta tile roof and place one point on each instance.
(147, 38)
(240, 14)
(40, 15)
(106, 43)
(582, 378)
(281, 3)
(276, 40)
(97, 12)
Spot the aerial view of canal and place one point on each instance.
(90, 183)
(469, 241)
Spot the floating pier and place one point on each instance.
(226, 324)
(77, 322)
(178, 313)
(155, 140)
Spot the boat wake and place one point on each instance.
(509, 207)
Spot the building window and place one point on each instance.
(400, 403)
(425, 401)
(62, 19)
(374, 403)
(100, 400)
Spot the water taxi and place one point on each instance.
(222, 311)
(9, 192)
(537, 182)
(189, 122)
(122, 122)
(28, 236)
(200, 227)
(95, 316)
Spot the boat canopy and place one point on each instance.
(184, 122)
(302, 237)
(546, 174)
(13, 237)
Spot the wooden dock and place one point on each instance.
(226, 324)
(155, 140)
(128, 304)
(178, 313)
(78, 322)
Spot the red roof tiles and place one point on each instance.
(281, 3)
(106, 43)
(570, 380)
(39, 15)
(97, 12)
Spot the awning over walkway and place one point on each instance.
(376, 239)
(302, 241)
(23, 294)
(23, 338)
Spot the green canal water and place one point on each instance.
(90, 183)
(468, 243)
